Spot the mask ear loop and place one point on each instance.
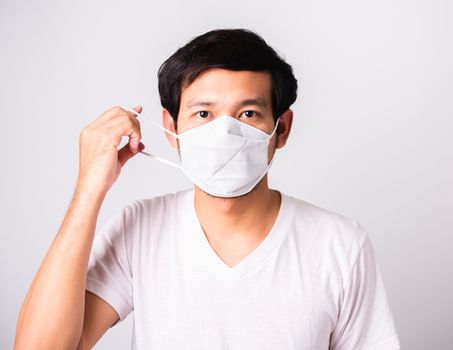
(275, 128)
(269, 136)
(163, 160)
(152, 122)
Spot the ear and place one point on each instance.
(284, 128)
(169, 124)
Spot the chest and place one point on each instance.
(233, 250)
(275, 307)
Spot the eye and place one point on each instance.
(202, 114)
(250, 114)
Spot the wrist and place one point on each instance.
(92, 194)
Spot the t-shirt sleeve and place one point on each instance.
(109, 274)
(365, 320)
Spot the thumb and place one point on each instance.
(124, 154)
(138, 109)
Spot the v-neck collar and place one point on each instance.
(214, 263)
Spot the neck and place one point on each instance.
(249, 215)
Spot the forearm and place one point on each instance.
(52, 313)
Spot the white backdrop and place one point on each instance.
(372, 135)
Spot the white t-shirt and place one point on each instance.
(312, 284)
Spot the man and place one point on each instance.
(229, 264)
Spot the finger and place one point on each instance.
(131, 128)
(134, 112)
(129, 113)
(118, 120)
(124, 154)
(125, 127)
(118, 111)
(109, 113)
(133, 116)
(138, 109)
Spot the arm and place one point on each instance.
(57, 312)
(365, 320)
(99, 317)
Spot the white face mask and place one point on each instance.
(224, 157)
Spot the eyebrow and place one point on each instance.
(247, 102)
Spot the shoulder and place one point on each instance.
(154, 207)
(140, 222)
(327, 232)
(322, 220)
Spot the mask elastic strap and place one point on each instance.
(152, 122)
(275, 128)
(269, 136)
(160, 159)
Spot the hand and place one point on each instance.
(100, 160)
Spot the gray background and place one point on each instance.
(372, 136)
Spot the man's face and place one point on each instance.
(245, 95)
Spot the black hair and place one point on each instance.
(233, 49)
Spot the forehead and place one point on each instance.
(227, 86)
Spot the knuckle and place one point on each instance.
(114, 112)
(123, 117)
(137, 130)
(129, 121)
(85, 130)
(133, 120)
